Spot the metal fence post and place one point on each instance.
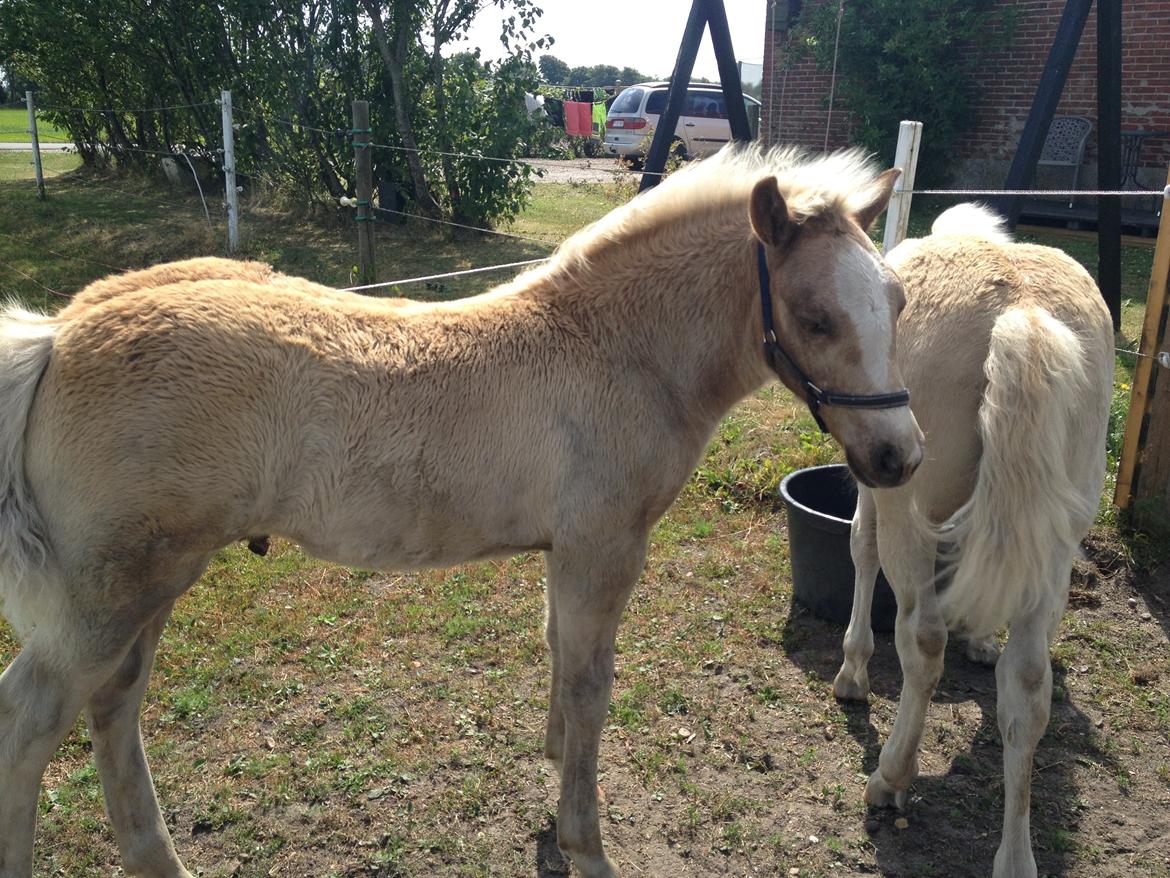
(229, 173)
(364, 191)
(906, 158)
(36, 144)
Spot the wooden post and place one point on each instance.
(906, 158)
(36, 144)
(229, 173)
(1109, 154)
(1149, 403)
(364, 214)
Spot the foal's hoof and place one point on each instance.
(880, 794)
(848, 687)
(1016, 862)
(594, 867)
(983, 651)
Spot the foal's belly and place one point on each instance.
(376, 546)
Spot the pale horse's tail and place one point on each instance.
(26, 340)
(1025, 506)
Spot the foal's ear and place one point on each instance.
(769, 213)
(875, 197)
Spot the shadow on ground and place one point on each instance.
(954, 815)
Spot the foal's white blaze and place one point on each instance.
(884, 446)
(861, 274)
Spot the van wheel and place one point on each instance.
(634, 162)
(678, 149)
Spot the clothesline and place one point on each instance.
(585, 119)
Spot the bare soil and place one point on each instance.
(727, 754)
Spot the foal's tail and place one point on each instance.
(26, 339)
(1025, 506)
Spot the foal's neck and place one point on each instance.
(682, 301)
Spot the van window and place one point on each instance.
(656, 103)
(705, 105)
(628, 101)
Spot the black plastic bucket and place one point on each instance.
(821, 501)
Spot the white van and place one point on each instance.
(702, 127)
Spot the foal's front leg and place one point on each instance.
(852, 682)
(554, 731)
(112, 715)
(589, 588)
(921, 639)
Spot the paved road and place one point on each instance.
(45, 147)
(598, 170)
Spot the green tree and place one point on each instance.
(905, 59)
(553, 70)
(293, 67)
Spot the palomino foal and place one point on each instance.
(1008, 350)
(166, 414)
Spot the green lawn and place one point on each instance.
(17, 166)
(14, 128)
(306, 719)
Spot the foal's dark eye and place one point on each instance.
(816, 325)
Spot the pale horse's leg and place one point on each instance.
(1023, 680)
(41, 694)
(589, 587)
(112, 714)
(852, 681)
(907, 556)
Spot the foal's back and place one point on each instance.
(957, 287)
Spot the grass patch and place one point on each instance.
(14, 128)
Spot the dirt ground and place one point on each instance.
(595, 170)
(325, 724)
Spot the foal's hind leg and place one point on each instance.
(41, 694)
(112, 714)
(591, 589)
(853, 679)
(921, 638)
(1023, 680)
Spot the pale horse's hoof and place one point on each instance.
(594, 867)
(983, 651)
(1014, 864)
(880, 794)
(850, 687)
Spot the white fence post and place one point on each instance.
(36, 144)
(229, 173)
(906, 158)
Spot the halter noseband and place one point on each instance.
(814, 397)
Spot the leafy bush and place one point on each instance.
(905, 59)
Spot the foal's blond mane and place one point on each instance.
(830, 186)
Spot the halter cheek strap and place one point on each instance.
(780, 360)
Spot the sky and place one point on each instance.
(629, 33)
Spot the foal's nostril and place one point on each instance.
(889, 463)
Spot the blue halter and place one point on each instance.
(779, 359)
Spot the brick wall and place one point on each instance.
(795, 107)
(795, 96)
